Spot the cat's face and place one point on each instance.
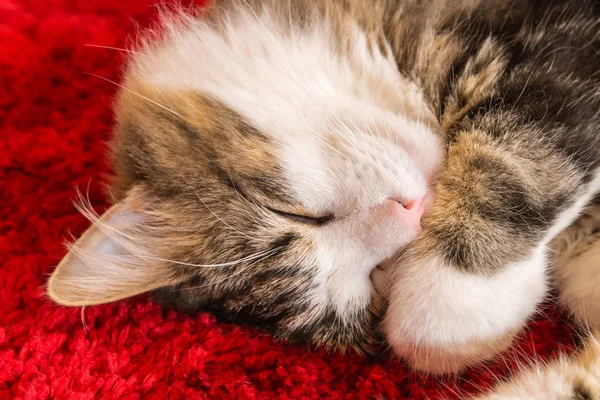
(259, 183)
(284, 226)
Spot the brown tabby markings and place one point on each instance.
(264, 293)
(514, 86)
(506, 177)
(218, 135)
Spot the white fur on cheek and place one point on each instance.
(441, 319)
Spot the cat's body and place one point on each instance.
(273, 158)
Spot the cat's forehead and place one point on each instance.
(312, 105)
(318, 164)
(281, 74)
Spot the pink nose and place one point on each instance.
(408, 213)
(391, 225)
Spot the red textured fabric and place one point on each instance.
(54, 120)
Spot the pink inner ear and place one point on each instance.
(108, 235)
(106, 246)
(112, 260)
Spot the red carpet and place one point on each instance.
(53, 122)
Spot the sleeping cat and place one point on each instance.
(298, 163)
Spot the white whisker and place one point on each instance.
(215, 214)
(117, 49)
(225, 264)
(134, 92)
(236, 273)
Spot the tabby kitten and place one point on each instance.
(282, 161)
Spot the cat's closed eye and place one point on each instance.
(305, 219)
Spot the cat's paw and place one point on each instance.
(576, 377)
(442, 319)
(578, 280)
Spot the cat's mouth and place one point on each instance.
(380, 275)
(379, 279)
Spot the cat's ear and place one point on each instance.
(113, 259)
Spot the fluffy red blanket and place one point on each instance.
(54, 119)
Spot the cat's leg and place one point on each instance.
(478, 270)
(577, 268)
(576, 378)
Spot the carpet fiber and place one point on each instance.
(54, 119)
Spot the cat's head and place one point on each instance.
(259, 174)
